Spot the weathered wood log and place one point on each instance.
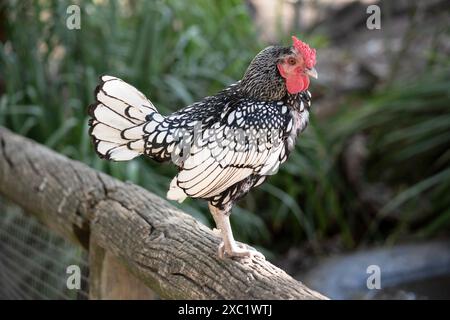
(110, 280)
(168, 250)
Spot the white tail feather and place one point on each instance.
(118, 119)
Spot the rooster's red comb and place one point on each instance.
(309, 54)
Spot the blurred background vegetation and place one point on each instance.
(373, 167)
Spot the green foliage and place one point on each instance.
(408, 130)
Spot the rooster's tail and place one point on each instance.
(118, 119)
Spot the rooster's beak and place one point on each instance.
(312, 72)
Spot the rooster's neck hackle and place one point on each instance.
(262, 81)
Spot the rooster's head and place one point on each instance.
(276, 71)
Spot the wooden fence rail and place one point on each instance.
(166, 249)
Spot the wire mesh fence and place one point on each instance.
(34, 260)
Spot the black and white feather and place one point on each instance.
(223, 145)
(118, 119)
(246, 139)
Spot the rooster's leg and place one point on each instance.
(229, 247)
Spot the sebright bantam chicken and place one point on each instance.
(223, 145)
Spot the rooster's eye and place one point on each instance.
(291, 61)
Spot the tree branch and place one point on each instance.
(168, 250)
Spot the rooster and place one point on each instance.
(223, 145)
